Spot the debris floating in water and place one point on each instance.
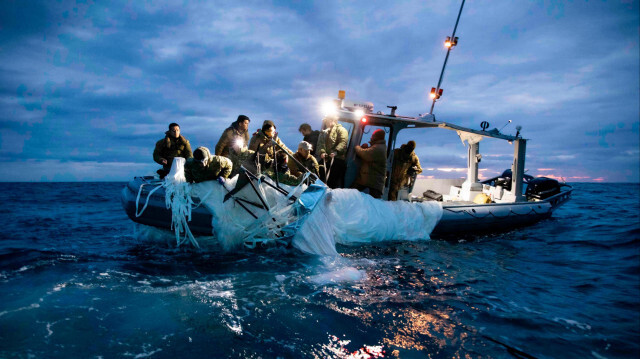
(344, 216)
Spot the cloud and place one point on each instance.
(12, 143)
(97, 83)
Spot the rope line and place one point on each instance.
(147, 201)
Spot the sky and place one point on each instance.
(87, 88)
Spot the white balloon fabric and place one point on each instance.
(318, 219)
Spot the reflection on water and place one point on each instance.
(409, 308)
(75, 282)
(337, 348)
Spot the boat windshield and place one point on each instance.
(348, 125)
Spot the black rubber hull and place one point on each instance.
(156, 214)
(456, 219)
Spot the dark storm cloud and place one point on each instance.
(88, 88)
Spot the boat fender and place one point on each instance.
(482, 198)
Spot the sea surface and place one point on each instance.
(77, 280)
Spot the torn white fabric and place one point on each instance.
(234, 225)
(471, 138)
(178, 199)
(347, 216)
(344, 216)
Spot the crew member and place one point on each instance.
(173, 145)
(303, 155)
(205, 167)
(282, 171)
(310, 136)
(373, 166)
(405, 166)
(239, 154)
(261, 142)
(238, 131)
(332, 150)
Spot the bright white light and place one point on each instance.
(239, 143)
(329, 109)
(359, 113)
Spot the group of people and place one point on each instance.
(322, 153)
(233, 150)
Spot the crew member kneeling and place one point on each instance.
(206, 167)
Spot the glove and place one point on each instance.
(220, 180)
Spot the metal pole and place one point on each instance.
(453, 35)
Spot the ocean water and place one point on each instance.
(78, 280)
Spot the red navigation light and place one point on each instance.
(435, 93)
(364, 120)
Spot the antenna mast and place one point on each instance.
(450, 42)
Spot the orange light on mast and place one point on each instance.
(450, 42)
(363, 120)
(435, 93)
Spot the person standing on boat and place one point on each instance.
(239, 154)
(310, 136)
(303, 155)
(261, 142)
(405, 165)
(205, 167)
(373, 165)
(171, 146)
(331, 151)
(238, 131)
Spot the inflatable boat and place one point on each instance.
(469, 206)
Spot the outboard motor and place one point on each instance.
(505, 180)
(541, 188)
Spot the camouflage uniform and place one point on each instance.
(284, 177)
(238, 158)
(230, 135)
(373, 167)
(332, 140)
(169, 148)
(262, 141)
(310, 163)
(217, 166)
(402, 162)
